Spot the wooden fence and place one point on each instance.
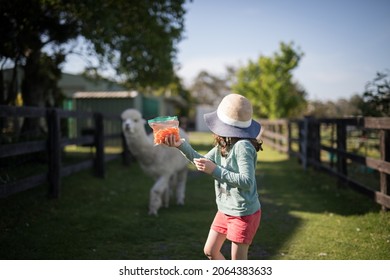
(54, 144)
(309, 139)
(322, 144)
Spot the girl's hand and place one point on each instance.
(170, 141)
(204, 165)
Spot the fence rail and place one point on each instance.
(53, 145)
(305, 139)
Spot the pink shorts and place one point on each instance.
(237, 229)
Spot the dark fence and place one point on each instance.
(342, 147)
(52, 143)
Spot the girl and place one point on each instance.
(232, 163)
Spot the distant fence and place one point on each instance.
(332, 145)
(53, 145)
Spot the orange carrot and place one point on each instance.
(160, 135)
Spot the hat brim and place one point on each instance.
(220, 128)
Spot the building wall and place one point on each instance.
(70, 84)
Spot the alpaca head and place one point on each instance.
(132, 121)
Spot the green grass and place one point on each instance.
(305, 216)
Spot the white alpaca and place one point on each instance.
(165, 164)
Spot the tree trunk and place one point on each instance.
(32, 92)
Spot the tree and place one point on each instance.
(376, 98)
(339, 109)
(26, 27)
(269, 85)
(209, 89)
(136, 38)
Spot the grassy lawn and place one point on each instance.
(305, 216)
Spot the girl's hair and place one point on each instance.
(225, 143)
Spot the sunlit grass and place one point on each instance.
(270, 155)
(306, 215)
(83, 149)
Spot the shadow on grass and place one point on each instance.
(285, 188)
(107, 219)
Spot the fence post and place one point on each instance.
(332, 142)
(275, 130)
(126, 155)
(385, 156)
(99, 145)
(315, 143)
(54, 151)
(341, 146)
(289, 136)
(279, 129)
(305, 142)
(301, 137)
(311, 142)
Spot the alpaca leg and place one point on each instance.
(181, 186)
(172, 185)
(166, 197)
(156, 194)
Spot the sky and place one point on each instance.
(345, 42)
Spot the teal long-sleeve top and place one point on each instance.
(235, 180)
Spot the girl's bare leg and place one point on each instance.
(214, 242)
(239, 251)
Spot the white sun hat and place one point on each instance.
(233, 118)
